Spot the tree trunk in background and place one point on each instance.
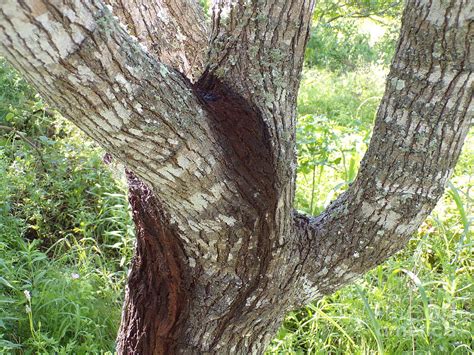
(210, 147)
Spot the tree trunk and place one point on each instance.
(210, 147)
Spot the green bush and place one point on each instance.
(65, 231)
(346, 34)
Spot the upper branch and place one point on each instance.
(145, 113)
(257, 46)
(175, 31)
(420, 127)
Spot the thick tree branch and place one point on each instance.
(421, 123)
(142, 111)
(258, 48)
(175, 31)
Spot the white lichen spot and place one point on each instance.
(163, 70)
(70, 14)
(250, 300)
(85, 74)
(217, 189)
(119, 78)
(59, 36)
(194, 226)
(391, 220)
(143, 47)
(367, 209)
(198, 174)
(323, 272)
(111, 118)
(436, 13)
(435, 75)
(183, 162)
(227, 219)
(109, 8)
(138, 107)
(122, 112)
(170, 171)
(199, 200)
(192, 262)
(310, 290)
(135, 132)
(109, 94)
(402, 229)
(349, 276)
(123, 26)
(398, 83)
(162, 14)
(261, 303)
(356, 254)
(327, 260)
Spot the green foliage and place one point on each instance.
(65, 232)
(336, 115)
(348, 34)
(347, 99)
(341, 46)
(331, 10)
(53, 303)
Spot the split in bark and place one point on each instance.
(158, 288)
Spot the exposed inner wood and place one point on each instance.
(159, 287)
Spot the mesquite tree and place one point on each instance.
(202, 113)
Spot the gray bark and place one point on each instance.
(221, 256)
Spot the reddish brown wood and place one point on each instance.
(158, 287)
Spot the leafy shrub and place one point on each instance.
(338, 46)
(65, 231)
(337, 41)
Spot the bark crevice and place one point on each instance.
(159, 283)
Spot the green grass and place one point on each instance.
(66, 236)
(65, 232)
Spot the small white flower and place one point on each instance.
(27, 295)
(28, 309)
(74, 276)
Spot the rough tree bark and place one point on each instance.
(204, 119)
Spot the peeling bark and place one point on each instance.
(220, 255)
(158, 288)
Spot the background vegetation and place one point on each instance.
(66, 235)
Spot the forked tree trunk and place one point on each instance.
(220, 255)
